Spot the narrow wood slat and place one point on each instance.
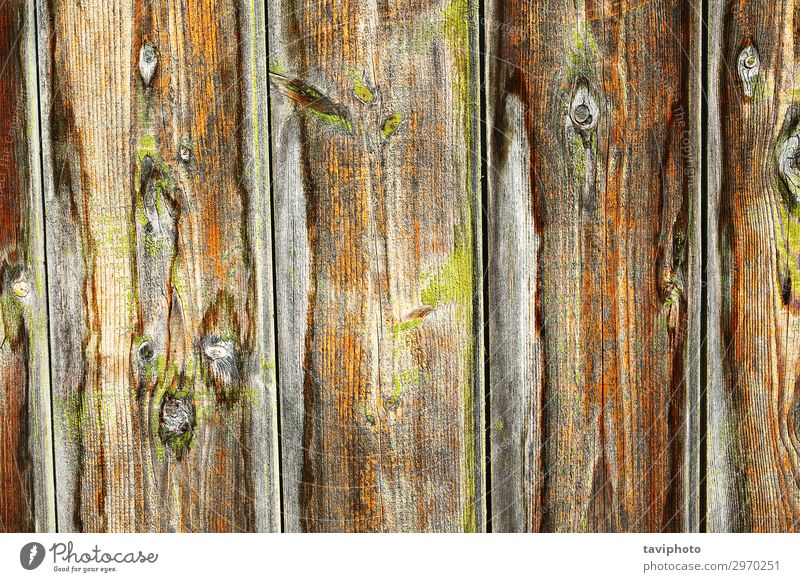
(377, 200)
(26, 460)
(753, 267)
(157, 209)
(592, 113)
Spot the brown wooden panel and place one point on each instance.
(377, 201)
(159, 259)
(754, 267)
(592, 113)
(26, 461)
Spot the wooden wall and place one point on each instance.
(423, 265)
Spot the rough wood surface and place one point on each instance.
(26, 461)
(754, 267)
(156, 176)
(592, 113)
(377, 217)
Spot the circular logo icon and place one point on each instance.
(31, 555)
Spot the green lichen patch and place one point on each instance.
(403, 381)
(789, 249)
(391, 124)
(451, 282)
(360, 88)
(457, 22)
(363, 92)
(146, 147)
(153, 246)
(334, 121)
(583, 54)
(277, 67)
(403, 327)
(368, 415)
(12, 310)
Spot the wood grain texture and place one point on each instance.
(754, 272)
(26, 462)
(377, 215)
(592, 113)
(155, 165)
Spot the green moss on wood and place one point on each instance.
(451, 282)
(277, 67)
(583, 55)
(402, 328)
(363, 92)
(337, 122)
(360, 88)
(391, 124)
(12, 316)
(789, 246)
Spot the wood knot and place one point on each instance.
(583, 110)
(749, 64)
(185, 153)
(176, 423)
(146, 170)
(176, 416)
(788, 156)
(148, 61)
(21, 288)
(146, 351)
(221, 360)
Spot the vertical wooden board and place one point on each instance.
(754, 267)
(26, 460)
(592, 115)
(377, 215)
(156, 177)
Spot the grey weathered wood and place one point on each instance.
(753, 246)
(27, 500)
(594, 263)
(377, 203)
(159, 254)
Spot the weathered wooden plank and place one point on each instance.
(26, 461)
(159, 257)
(592, 113)
(377, 214)
(753, 268)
